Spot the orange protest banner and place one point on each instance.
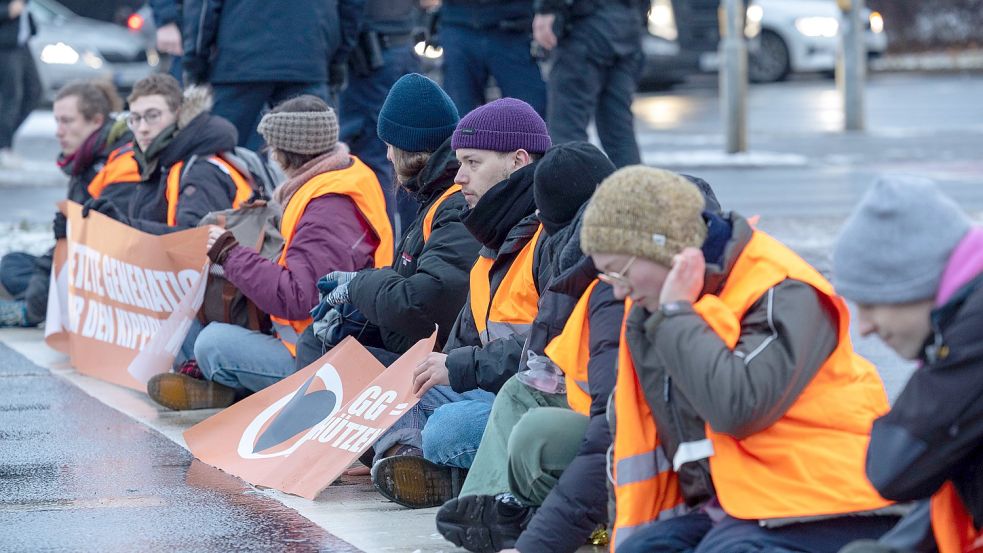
(121, 301)
(300, 434)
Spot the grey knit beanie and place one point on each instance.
(896, 244)
(301, 132)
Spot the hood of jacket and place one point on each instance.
(198, 131)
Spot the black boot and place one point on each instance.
(483, 523)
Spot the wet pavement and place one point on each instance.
(76, 475)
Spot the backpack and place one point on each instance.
(263, 177)
(255, 224)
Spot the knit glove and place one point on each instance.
(327, 285)
(106, 207)
(221, 248)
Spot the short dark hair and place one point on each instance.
(304, 103)
(158, 83)
(94, 96)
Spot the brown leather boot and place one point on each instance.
(182, 392)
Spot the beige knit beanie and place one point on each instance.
(646, 212)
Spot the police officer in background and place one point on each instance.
(382, 54)
(597, 55)
(489, 37)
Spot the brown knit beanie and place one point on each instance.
(650, 213)
(301, 132)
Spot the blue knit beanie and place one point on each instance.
(417, 115)
(504, 125)
(896, 244)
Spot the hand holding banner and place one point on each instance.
(300, 434)
(122, 300)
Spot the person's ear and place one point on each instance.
(521, 158)
(98, 119)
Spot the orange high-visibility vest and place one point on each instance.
(646, 489)
(359, 184)
(571, 352)
(120, 167)
(244, 190)
(432, 212)
(952, 525)
(516, 300)
(811, 461)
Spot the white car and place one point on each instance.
(798, 36)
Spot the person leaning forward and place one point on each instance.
(912, 260)
(498, 146)
(742, 413)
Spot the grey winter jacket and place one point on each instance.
(690, 377)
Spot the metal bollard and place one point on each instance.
(733, 75)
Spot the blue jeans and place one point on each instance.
(243, 104)
(695, 533)
(470, 56)
(242, 359)
(445, 424)
(358, 114)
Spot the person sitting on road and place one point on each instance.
(177, 142)
(742, 413)
(498, 145)
(90, 139)
(539, 478)
(428, 281)
(912, 261)
(334, 218)
(563, 182)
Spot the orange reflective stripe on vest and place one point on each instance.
(951, 523)
(359, 184)
(645, 487)
(516, 300)
(811, 461)
(121, 167)
(244, 190)
(432, 212)
(571, 352)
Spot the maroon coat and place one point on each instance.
(331, 235)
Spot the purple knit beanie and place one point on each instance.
(504, 125)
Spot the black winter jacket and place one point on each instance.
(428, 282)
(204, 188)
(504, 220)
(238, 41)
(10, 28)
(79, 177)
(934, 431)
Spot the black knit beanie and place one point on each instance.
(565, 179)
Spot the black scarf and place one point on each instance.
(501, 208)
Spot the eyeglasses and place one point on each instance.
(619, 278)
(152, 116)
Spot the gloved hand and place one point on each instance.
(327, 285)
(60, 226)
(106, 207)
(222, 242)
